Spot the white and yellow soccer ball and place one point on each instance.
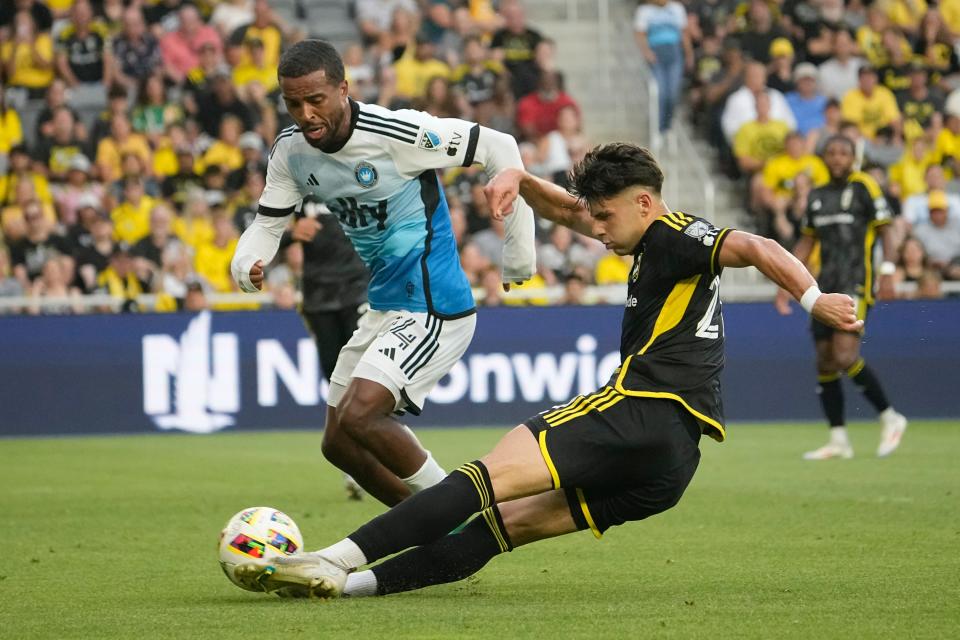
(257, 533)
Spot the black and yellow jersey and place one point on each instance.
(844, 216)
(671, 343)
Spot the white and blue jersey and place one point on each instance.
(384, 189)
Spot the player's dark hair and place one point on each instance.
(608, 169)
(308, 56)
(842, 139)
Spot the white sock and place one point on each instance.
(346, 553)
(360, 584)
(838, 435)
(888, 413)
(428, 475)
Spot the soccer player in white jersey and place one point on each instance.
(376, 170)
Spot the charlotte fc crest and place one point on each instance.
(366, 174)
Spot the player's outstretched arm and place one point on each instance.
(741, 249)
(547, 199)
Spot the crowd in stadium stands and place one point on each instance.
(134, 137)
(770, 81)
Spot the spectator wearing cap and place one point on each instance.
(93, 257)
(660, 29)
(780, 69)
(838, 75)
(77, 188)
(940, 237)
(56, 151)
(921, 105)
(255, 69)
(136, 50)
(741, 105)
(121, 141)
(27, 57)
(870, 105)
(38, 245)
(180, 49)
(131, 218)
(84, 58)
(21, 169)
(915, 209)
(414, 69)
(538, 112)
(120, 280)
(515, 45)
(252, 148)
(267, 27)
(806, 102)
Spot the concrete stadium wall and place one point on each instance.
(213, 371)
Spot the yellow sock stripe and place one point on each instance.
(587, 516)
(582, 407)
(548, 460)
(495, 528)
(669, 223)
(473, 473)
(590, 404)
(856, 368)
(830, 377)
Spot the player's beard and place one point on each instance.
(336, 134)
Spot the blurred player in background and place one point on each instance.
(334, 285)
(624, 453)
(845, 216)
(375, 169)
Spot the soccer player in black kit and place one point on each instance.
(624, 453)
(334, 290)
(846, 216)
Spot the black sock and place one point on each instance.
(448, 559)
(428, 515)
(831, 397)
(867, 381)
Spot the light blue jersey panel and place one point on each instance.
(399, 227)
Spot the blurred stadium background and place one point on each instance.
(133, 145)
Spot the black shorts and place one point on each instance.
(822, 331)
(619, 458)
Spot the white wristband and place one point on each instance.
(887, 268)
(809, 298)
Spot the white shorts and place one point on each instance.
(406, 352)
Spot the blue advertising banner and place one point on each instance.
(212, 371)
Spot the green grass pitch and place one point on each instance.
(115, 538)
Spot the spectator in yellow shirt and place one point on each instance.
(414, 70)
(131, 218)
(11, 133)
(908, 175)
(759, 140)
(784, 183)
(27, 57)
(870, 105)
(225, 152)
(195, 227)
(121, 141)
(255, 69)
(947, 148)
(613, 269)
(21, 168)
(212, 258)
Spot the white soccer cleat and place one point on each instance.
(830, 450)
(304, 575)
(353, 488)
(894, 424)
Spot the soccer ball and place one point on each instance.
(254, 534)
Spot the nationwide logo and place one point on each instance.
(430, 140)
